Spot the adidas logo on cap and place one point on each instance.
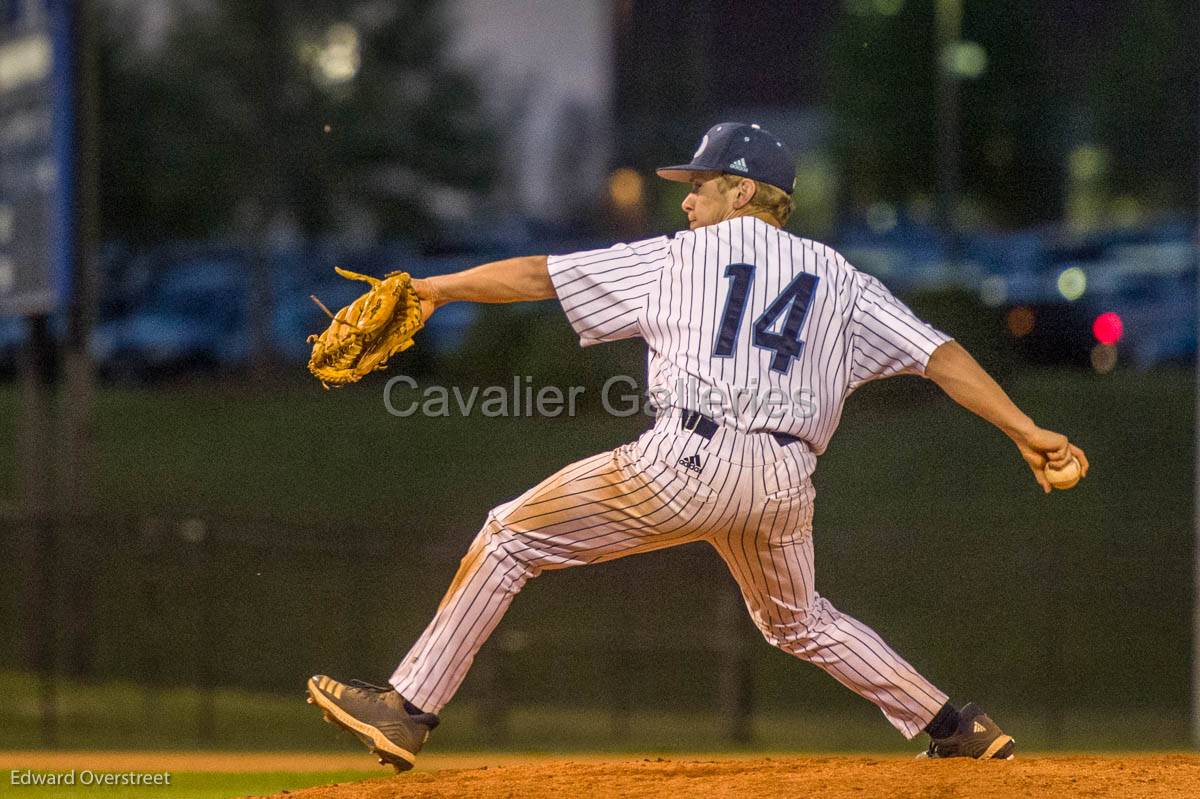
(740, 165)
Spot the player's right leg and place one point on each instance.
(607, 506)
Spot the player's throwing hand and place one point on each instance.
(1041, 448)
(965, 382)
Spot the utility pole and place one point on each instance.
(949, 30)
(47, 262)
(76, 442)
(38, 557)
(1196, 545)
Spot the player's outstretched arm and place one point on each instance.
(965, 381)
(511, 280)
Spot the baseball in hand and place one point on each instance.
(1066, 476)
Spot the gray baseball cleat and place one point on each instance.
(978, 737)
(377, 715)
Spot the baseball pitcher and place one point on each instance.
(756, 337)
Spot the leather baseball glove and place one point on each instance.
(363, 335)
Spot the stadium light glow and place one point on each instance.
(25, 61)
(339, 59)
(626, 188)
(1108, 328)
(882, 217)
(1072, 282)
(966, 60)
(1087, 162)
(993, 291)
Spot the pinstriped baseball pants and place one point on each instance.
(745, 494)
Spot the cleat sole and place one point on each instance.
(396, 757)
(1001, 749)
(398, 764)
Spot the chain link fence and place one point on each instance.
(207, 604)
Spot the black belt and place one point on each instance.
(706, 428)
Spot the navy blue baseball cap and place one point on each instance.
(736, 148)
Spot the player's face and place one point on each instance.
(707, 203)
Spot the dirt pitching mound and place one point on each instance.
(832, 777)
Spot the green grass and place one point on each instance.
(123, 716)
(193, 785)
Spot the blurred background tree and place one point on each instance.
(881, 89)
(319, 112)
(1154, 60)
(1037, 81)
(259, 121)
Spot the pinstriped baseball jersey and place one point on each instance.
(759, 329)
(765, 334)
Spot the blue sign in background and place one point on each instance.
(37, 143)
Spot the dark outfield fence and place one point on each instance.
(213, 603)
(208, 603)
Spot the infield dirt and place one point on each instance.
(829, 777)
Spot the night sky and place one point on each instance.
(775, 55)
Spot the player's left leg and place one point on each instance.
(771, 557)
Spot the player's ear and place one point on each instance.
(745, 192)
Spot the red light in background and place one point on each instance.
(1108, 328)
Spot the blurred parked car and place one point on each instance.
(191, 317)
(907, 257)
(1152, 290)
(1147, 279)
(185, 306)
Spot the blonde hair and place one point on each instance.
(767, 198)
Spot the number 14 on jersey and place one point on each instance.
(794, 299)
